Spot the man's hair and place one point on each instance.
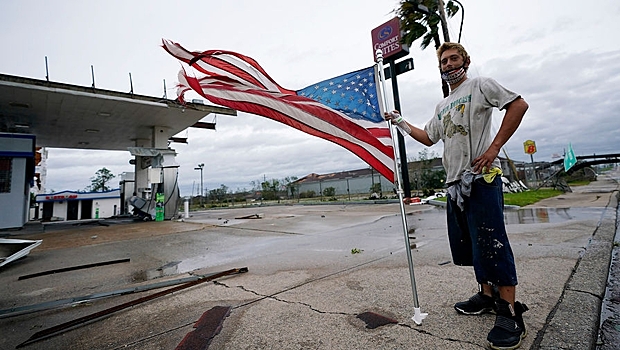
(447, 46)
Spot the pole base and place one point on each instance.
(418, 316)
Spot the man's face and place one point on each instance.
(450, 59)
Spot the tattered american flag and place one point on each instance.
(344, 110)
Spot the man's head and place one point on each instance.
(444, 57)
(453, 63)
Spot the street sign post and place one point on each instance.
(530, 148)
(387, 39)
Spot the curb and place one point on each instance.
(574, 321)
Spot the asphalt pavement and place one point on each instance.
(318, 277)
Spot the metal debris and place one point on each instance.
(59, 329)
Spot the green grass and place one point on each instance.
(529, 197)
(525, 198)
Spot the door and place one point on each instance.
(72, 210)
(87, 209)
(48, 211)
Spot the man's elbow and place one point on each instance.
(519, 105)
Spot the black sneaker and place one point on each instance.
(476, 305)
(509, 329)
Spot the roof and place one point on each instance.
(73, 195)
(70, 116)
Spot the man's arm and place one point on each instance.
(512, 119)
(418, 134)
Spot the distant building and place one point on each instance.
(352, 182)
(360, 181)
(70, 205)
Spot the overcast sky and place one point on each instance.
(563, 57)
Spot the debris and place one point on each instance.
(59, 329)
(356, 250)
(20, 310)
(79, 267)
(13, 249)
(253, 216)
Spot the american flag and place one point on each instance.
(344, 110)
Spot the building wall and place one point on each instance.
(356, 186)
(14, 212)
(18, 149)
(104, 204)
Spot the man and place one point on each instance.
(475, 218)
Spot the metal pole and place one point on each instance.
(418, 315)
(92, 72)
(47, 72)
(404, 171)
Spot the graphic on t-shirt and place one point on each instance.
(449, 127)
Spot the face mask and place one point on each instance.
(454, 76)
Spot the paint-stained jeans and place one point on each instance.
(478, 234)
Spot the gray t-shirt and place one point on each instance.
(463, 121)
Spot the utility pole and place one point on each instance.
(200, 166)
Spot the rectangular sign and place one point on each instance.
(569, 158)
(386, 37)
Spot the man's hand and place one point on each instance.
(484, 163)
(395, 118)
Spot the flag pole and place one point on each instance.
(418, 316)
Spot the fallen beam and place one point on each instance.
(73, 268)
(59, 329)
(21, 310)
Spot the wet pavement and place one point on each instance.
(317, 275)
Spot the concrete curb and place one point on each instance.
(574, 321)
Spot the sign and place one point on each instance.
(401, 67)
(386, 37)
(61, 197)
(569, 158)
(529, 146)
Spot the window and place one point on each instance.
(5, 174)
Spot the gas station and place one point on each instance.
(40, 113)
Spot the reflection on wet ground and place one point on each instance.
(550, 215)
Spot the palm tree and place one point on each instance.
(421, 19)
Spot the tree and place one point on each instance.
(99, 181)
(330, 192)
(270, 189)
(427, 178)
(219, 194)
(418, 23)
(289, 183)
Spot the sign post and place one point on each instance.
(386, 38)
(530, 148)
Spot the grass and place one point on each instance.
(529, 197)
(525, 198)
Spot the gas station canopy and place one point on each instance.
(70, 116)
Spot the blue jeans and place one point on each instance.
(478, 237)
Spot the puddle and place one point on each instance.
(550, 215)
